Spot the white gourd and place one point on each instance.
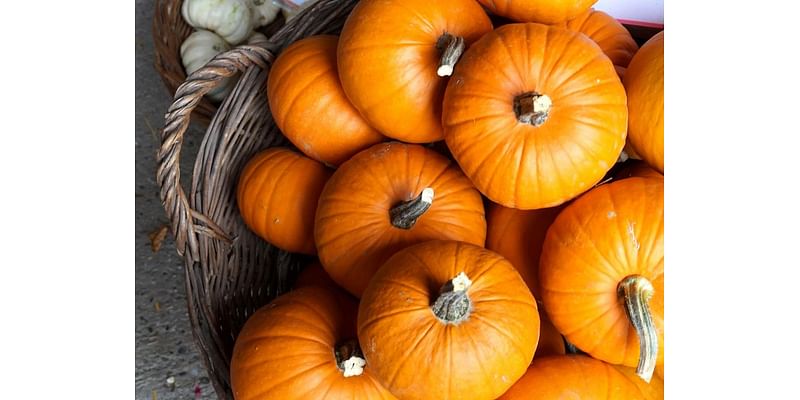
(264, 12)
(197, 50)
(230, 19)
(201, 46)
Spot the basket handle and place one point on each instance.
(187, 222)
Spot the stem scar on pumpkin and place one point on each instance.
(451, 47)
(349, 358)
(532, 108)
(405, 214)
(453, 305)
(636, 291)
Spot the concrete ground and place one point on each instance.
(164, 344)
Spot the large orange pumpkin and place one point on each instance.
(518, 236)
(581, 377)
(546, 12)
(309, 105)
(391, 53)
(534, 115)
(615, 40)
(602, 273)
(303, 345)
(644, 83)
(277, 197)
(389, 197)
(448, 320)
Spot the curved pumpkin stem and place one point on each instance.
(349, 358)
(453, 304)
(636, 291)
(532, 108)
(452, 47)
(405, 214)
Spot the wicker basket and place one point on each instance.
(230, 272)
(169, 32)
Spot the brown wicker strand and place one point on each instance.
(230, 272)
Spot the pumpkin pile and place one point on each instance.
(482, 201)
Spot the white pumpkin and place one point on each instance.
(291, 13)
(201, 46)
(264, 12)
(230, 19)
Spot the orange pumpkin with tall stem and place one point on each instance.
(602, 273)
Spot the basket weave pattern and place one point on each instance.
(230, 272)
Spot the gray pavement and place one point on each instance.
(164, 345)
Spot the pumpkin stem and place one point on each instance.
(451, 47)
(636, 291)
(453, 304)
(349, 358)
(405, 214)
(532, 108)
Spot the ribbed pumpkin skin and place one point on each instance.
(353, 229)
(277, 197)
(518, 165)
(644, 83)
(286, 350)
(546, 12)
(417, 356)
(611, 232)
(518, 236)
(612, 37)
(388, 61)
(581, 377)
(309, 104)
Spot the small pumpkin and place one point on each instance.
(546, 12)
(448, 320)
(602, 273)
(581, 377)
(518, 235)
(535, 115)
(309, 105)
(644, 84)
(277, 197)
(230, 19)
(612, 37)
(303, 345)
(263, 12)
(391, 54)
(389, 197)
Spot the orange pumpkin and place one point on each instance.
(303, 345)
(644, 83)
(518, 236)
(612, 37)
(314, 275)
(391, 53)
(581, 377)
(389, 197)
(448, 320)
(534, 115)
(602, 273)
(546, 12)
(309, 105)
(277, 197)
